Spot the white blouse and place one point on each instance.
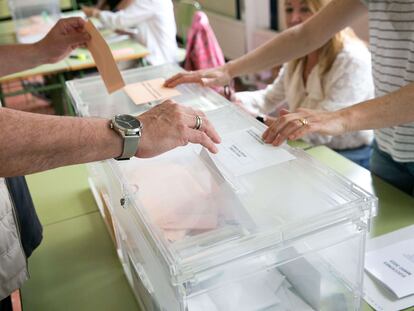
(348, 82)
(155, 24)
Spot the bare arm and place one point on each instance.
(65, 36)
(290, 44)
(301, 39)
(389, 110)
(34, 142)
(18, 57)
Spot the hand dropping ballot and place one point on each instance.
(141, 92)
(393, 266)
(242, 152)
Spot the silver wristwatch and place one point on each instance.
(130, 128)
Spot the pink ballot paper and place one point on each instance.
(104, 59)
(151, 90)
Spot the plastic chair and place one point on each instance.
(185, 10)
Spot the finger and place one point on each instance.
(270, 130)
(269, 120)
(77, 39)
(300, 133)
(284, 133)
(277, 126)
(211, 132)
(199, 137)
(72, 23)
(169, 80)
(304, 130)
(184, 78)
(271, 135)
(283, 112)
(206, 126)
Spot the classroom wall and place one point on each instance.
(224, 7)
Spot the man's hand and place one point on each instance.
(295, 125)
(170, 125)
(67, 35)
(219, 76)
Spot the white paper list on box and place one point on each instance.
(393, 266)
(244, 151)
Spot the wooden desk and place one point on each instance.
(133, 51)
(47, 69)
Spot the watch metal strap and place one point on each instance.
(130, 147)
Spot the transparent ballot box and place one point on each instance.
(33, 18)
(193, 233)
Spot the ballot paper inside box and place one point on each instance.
(195, 233)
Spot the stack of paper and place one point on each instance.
(389, 265)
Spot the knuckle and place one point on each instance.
(181, 129)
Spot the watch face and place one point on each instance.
(127, 122)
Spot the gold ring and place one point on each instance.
(304, 121)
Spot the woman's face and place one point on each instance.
(296, 12)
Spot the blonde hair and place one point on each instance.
(331, 49)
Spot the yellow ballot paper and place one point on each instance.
(151, 90)
(104, 59)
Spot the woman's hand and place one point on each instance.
(295, 125)
(219, 76)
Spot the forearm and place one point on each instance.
(389, 110)
(34, 142)
(299, 40)
(18, 57)
(287, 45)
